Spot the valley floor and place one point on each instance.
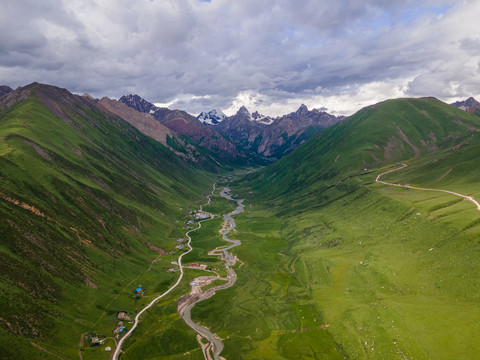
(379, 272)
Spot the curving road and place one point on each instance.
(118, 348)
(212, 350)
(466, 197)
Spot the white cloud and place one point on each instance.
(344, 102)
(268, 55)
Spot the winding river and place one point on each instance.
(214, 346)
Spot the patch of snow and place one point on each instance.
(261, 119)
(266, 121)
(213, 117)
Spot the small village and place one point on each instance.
(98, 340)
(122, 317)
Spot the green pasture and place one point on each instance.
(378, 272)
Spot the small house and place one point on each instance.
(120, 327)
(123, 316)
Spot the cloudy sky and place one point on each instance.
(270, 55)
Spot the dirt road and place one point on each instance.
(118, 349)
(466, 197)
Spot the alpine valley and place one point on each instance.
(355, 238)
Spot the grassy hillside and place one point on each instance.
(337, 266)
(86, 203)
(379, 135)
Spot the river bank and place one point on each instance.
(214, 346)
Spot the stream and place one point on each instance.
(214, 346)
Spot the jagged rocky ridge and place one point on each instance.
(272, 138)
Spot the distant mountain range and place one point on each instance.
(242, 136)
(272, 138)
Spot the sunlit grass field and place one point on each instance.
(381, 272)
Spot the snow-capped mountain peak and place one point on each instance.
(213, 117)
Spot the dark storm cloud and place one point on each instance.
(272, 54)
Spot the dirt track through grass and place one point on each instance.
(465, 197)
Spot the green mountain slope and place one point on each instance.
(338, 266)
(392, 131)
(86, 203)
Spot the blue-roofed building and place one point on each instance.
(137, 290)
